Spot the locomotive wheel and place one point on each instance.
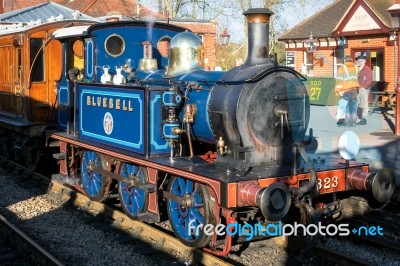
(32, 159)
(6, 148)
(94, 184)
(195, 212)
(33, 153)
(133, 199)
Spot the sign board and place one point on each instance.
(360, 20)
(321, 91)
(290, 58)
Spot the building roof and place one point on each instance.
(100, 8)
(380, 9)
(42, 12)
(199, 26)
(325, 23)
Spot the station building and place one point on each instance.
(346, 27)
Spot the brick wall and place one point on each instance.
(389, 73)
(327, 68)
(208, 32)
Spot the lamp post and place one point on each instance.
(394, 12)
(224, 37)
(311, 46)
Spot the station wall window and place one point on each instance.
(339, 55)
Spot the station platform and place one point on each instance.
(379, 146)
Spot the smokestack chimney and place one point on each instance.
(258, 36)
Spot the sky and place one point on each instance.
(288, 15)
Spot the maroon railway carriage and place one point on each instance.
(31, 64)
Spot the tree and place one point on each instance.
(185, 9)
(226, 12)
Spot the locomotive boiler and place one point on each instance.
(203, 147)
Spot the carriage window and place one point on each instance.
(37, 59)
(114, 45)
(163, 46)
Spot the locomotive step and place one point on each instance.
(54, 144)
(149, 217)
(59, 156)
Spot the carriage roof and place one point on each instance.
(25, 27)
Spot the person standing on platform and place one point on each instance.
(365, 82)
(346, 87)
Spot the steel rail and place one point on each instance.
(43, 255)
(321, 251)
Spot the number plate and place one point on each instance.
(331, 181)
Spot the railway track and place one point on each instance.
(358, 213)
(322, 254)
(19, 249)
(396, 197)
(140, 230)
(159, 240)
(388, 221)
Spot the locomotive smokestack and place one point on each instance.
(258, 36)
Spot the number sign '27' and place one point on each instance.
(321, 90)
(315, 90)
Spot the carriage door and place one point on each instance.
(18, 85)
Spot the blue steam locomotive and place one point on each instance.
(138, 115)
